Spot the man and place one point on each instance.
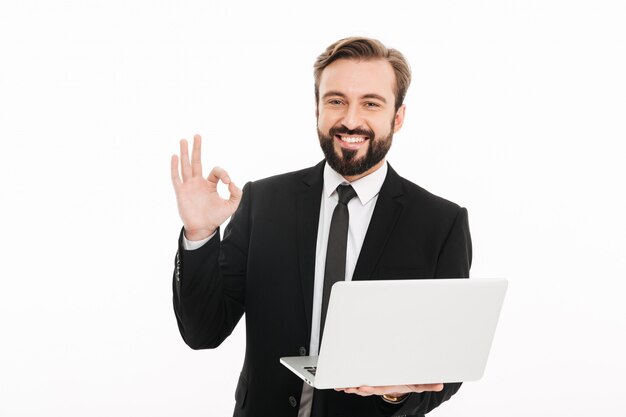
(272, 260)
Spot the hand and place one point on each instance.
(394, 390)
(200, 207)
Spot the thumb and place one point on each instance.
(235, 193)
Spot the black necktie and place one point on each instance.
(335, 269)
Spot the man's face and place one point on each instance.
(356, 118)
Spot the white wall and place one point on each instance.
(516, 111)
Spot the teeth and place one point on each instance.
(355, 139)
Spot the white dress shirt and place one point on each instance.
(360, 211)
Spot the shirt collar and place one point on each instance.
(366, 188)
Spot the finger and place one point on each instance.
(196, 164)
(367, 390)
(185, 166)
(433, 387)
(358, 391)
(235, 193)
(426, 387)
(218, 174)
(174, 171)
(389, 389)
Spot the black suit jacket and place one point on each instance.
(264, 266)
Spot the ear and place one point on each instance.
(399, 118)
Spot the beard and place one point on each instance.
(345, 161)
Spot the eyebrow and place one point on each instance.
(340, 94)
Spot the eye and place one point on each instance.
(371, 105)
(335, 102)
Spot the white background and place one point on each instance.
(516, 111)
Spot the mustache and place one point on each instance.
(344, 130)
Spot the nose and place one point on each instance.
(352, 117)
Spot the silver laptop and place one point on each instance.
(398, 332)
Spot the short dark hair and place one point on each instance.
(361, 48)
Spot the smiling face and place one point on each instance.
(356, 117)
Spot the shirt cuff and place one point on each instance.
(195, 244)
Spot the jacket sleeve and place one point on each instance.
(209, 282)
(455, 259)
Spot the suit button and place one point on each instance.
(302, 351)
(293, 402)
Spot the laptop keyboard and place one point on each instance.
(311, 369)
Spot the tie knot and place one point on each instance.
(346, 193)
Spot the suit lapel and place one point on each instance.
(386, 213)
(307, 217)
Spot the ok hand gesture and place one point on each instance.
(201, 208)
